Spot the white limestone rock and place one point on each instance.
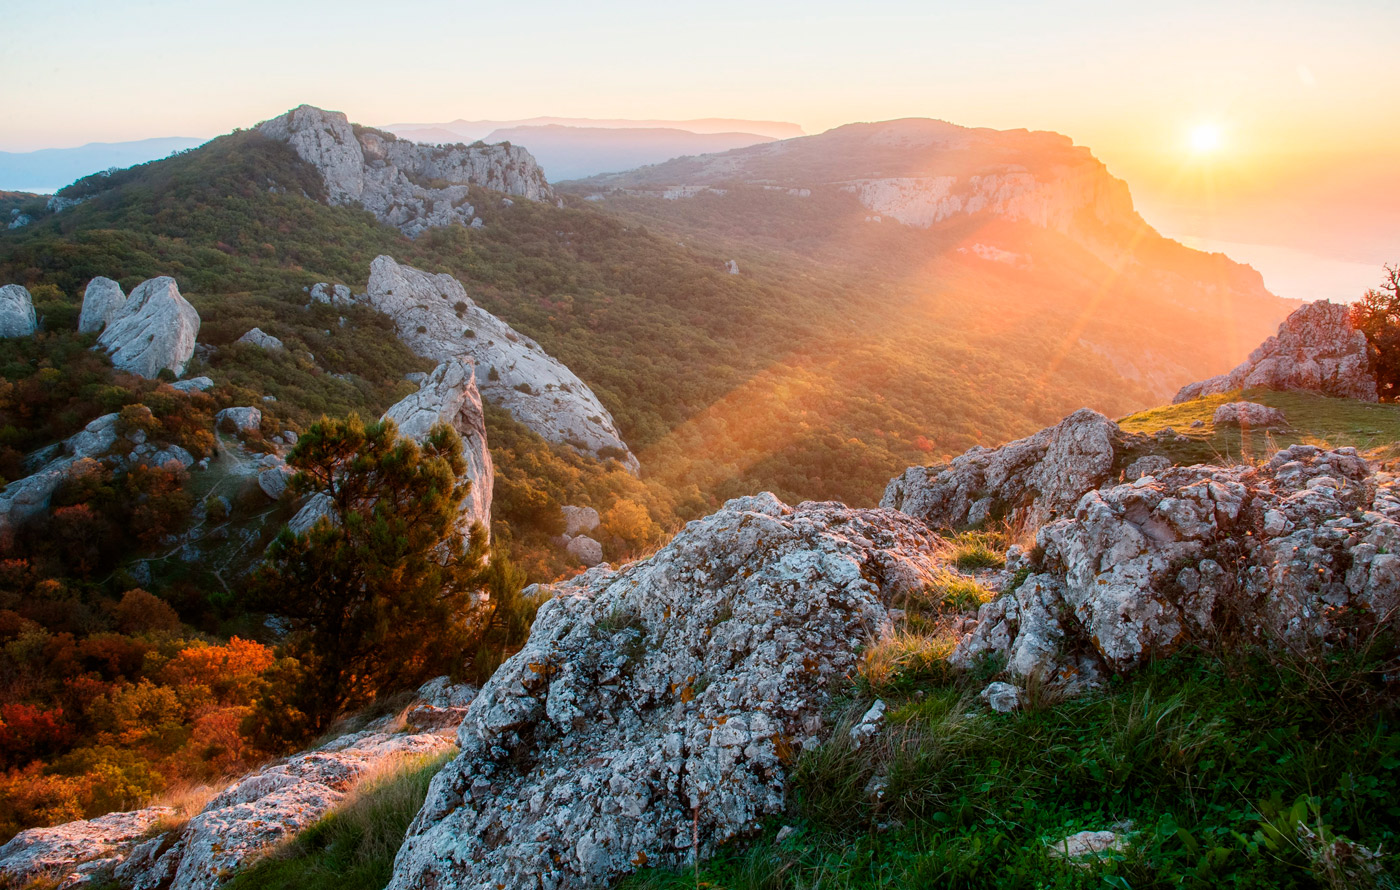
(579, 520)
(102, 301)
(258, 337)
(245, 419)
(1028, 481)
(449, 395)
(273, 475)
(1316, 350)
(17, 318)
(1250, 415)
(410, 186)
(650, 700)
(434, 316)
(29, 496)
(154, 330)
(585, 550)
(194, 384)
(335, 295)
(1309, 535)
(1001, 697)
(317, 506)
(68, 848)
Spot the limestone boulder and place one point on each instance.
(1028, 481)
(436, 319)
(449, 395)
(1276, 552)
(102, 301)
(662, 699)
(579, 520)
(585, 550)
(194, 384)
(257, 337)
(1250, 415)
(243, 419)
(1316, 350)
(17, 318)
(154, 330)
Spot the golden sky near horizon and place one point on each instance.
(1303, 98)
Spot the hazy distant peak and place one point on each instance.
(470, 131)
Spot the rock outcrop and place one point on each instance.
(29, 496)
(437, 320)
(102, 301)
(1279, 553)
(586, 550)
(411, 186)
(1028, 481)
(449, 395)
(17, 318)
(662, 699)
(244, 419)
(246, 819)
(258, 337)
(1316, 350)
(153, 331)
(1250, 415)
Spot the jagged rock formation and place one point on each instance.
(413, 187)
(1275, 553)
(449, 395)
(17, 318)
(660, 697)
(102, 301)
(1250, 415)
(258, 337)
(245, 820)
(437, 320)
(1028, 481)
(154, 330)
(1316, 349)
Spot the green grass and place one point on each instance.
(980, 549)
(352, 847)
(1313, 419)
(1215, 763)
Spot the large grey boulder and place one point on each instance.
(413, 187)
(154, 330)
(1250, 415)
(17, 318)
(1028, 481)
(1316, 350)
(662, 699)
(449, 395)
(436, 319)
(258, 337)
(579, 520)
(585, 550)
(243, 419)
(1276, 552)
(102, 300)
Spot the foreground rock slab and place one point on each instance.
(663, 698)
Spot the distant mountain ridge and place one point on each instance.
(470, 131)
(575, 152)
(49, 169)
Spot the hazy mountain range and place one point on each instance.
(49, 169)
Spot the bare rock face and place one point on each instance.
(260, 338)
(102, 301)
(413, 187)
(246, 819)
(449, 395)
(154, 330)
(655, 699)
(17, 318)
(1139, 568)
(1316, 349)
(1027, 481)
(1251, 415)
(437, 320)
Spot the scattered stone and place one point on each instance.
(257, 338)
(154, 330)
(194, 384)
(1082, 847)
(1001, 697)
(1250, 415)
(103, 300)
(870, 724)
(17, 318)
(731, 267)
(1316, 350)
(336, 295)
(579, 520)
(246, 419)
(585, 550)
(649, 701)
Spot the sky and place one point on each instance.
(1304, 97)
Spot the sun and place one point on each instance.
(1205, 139)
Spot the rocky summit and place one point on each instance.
(437, 320)
(1316, 350)
(656, 707)
(407, 185)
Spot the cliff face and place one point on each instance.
(411, 186)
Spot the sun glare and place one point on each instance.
(1205, 139)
